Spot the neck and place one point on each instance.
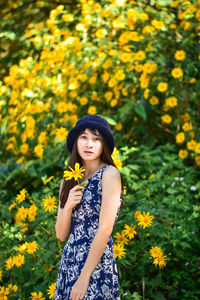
(91, 167)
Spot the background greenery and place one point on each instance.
(136, 64)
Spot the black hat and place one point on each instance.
(91, 121)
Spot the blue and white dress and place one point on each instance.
(103, 283)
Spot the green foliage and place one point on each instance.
(159, 183)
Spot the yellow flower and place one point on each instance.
(105, 76)
(83, 100)
(118, 126)
(197, 148)
(10, 263)
(177, 73)
(113, 103)
(48, 179)
(166, 119)
(155, 251)
(22, 195)
(180, 137)
(100, 33)
(12, 288)
(119, 250)
(1, 274)
(92, 110)
(144, 220)
(49, 203)
(121, 238)
(146, 93)
(191, 145)
(51, 290)
(32, 212)
(22, 247)
(160, 261)
(140, 55)
(120, 75)
(38, 150)
(137, 214)
(61, 133)
(35, 296)
(183, 154)
(126, 57)
(42, 138)
(19, 260)
(129, 231)
(112, 82)
(171, 101)
(108, 95)
(187, 126)
(180, 55)
(153, 100)
(149, 67)
(11, 206)
(197, 160)
(3, 293)
(192, 80)
(162, 87)
(24, 148)
(76, 173)
(32, 247)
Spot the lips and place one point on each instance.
(88, 152)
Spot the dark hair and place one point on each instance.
(66, 186)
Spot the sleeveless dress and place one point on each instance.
(103, 284)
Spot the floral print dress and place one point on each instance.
(103, 283)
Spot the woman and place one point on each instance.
(88, 268)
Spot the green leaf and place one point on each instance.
(139, 109)
(8, 34)
(109, 120)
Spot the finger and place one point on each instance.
(77, 187)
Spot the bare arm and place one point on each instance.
(63, 222)
(109, 207)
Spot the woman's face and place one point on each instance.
(90, 146)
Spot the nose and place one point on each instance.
(89, 142)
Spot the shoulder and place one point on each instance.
(111, 172)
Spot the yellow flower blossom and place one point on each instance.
(177, 73)
(121, 238)
(180, 55)
(183, 153)
(191, 145)
(129, 231)
(49, 203)
(180, 137)
(162, 87)
(51, 290)
(22, 195)
(144, 220)
(197, 148)
(119, 250)
(153, 100)
(35, 296)
(32, 247)
(38, 150)
(61, 133)
(92, 110)
(19, 260)
(187, 126)
(166, 119)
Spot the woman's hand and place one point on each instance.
(79, 289)
(74, 197)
